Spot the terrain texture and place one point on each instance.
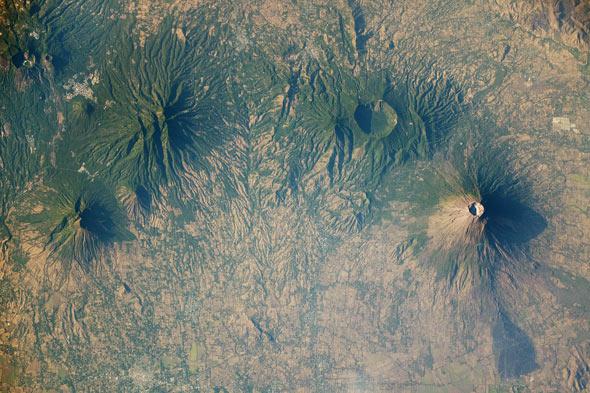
(299, 196)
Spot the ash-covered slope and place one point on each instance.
(480, 222)
(484, 220)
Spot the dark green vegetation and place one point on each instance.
(298, 195)
(78, 221)
(38, 53)
(348, 132)
(36, 41)
(5, 234)
(375, 118)
(159, 113)
(429, 104)
(19, 38)
(24, 135)
(396, 116)
(323, 114)
(6, 293)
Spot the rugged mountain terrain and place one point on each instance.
(294, 196)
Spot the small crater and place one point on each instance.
(476, 209)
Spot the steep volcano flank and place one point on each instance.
(312, 119)
(87, 226)
(428, 105)
(162, 111)
(481, 230)
(510, 222)
(328, 115)
(76, 222)
(137, 203)
(480, 234)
